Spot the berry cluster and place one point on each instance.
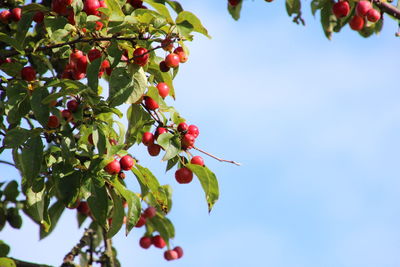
(6, 16)
(126, 163)
(364, 10)
(173, 59)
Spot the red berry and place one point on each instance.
(72, 105)
(141, 221)
(136, 3)
(158, 241)
(193, 130)
(179, 250)
(341, 9)
(140, 56)
(66, 114)
(197, 160)
(373, 15)
(145, 242)
(150, 103)
(182, 127)
(103, 4)
(76, 75)
(181, 54)
(53, 122)
(148, 138)
(28, 74)
(233, 2)
(5, 16)
(91, 6)
(154, 150)
(81, 64)
(188, 141)
(38, 17)
(59, 6)
(99, 26)
(184, 175)
(170, 255)
(362, 8)
(167, 44)
(16, 14)
(160, 131)
(83, 208)
(164, 67)
(172, 60)
(93, 54)
(113, 167)
(127, 162)
(356, 23)
(150, 212)
(71, 16)
(163, 89)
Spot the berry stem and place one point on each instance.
(214, 157)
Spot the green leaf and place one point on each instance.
(139, 86)
(31, 160)
(175, 6)
(4, 249)
(10, 41)
(121, 87)
(7, 262)
(208, 181)
(23, 27)
(98, 203)
(293, 7)
(328, 20)
(171, 145)
(134, 206)
(115, 8)
(55, 212)
(13, 218)
(35, 205)
(40, 111)
(11, 191)
(93, 74)
(117, 215)
(189, 20)
(68, 186)
(161, 9)
(164, 226)
(171, 163)
(33, 7)
(139, 121)
(235, 10)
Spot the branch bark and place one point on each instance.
(388, 8)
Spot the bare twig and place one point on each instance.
(7, 162)
(84, 241)
(214, 157)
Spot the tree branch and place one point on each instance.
(214, 157)
(84, 241)
(388, 8)
(20, 263)
(8, 163)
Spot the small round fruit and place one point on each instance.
(193, 130)
(16, 14)
(154, 150)
(83, 208)
(341, 9)
(145, 242)
(164, 67)
(181, 53)
(127, 162)
(163, 89)
(5, 16)
(53, 122)
(373, 15)
(148, 138)
(170, 255)
(141, 56)
(158, 241)
(141, 221)
(197, 160)
(179, 250)
(160, 131)
(73, 105)
(91, 6)
(113, 167)
(188, 141)
(172, 60)
(362, 8)
(66, 114)
(184, 175)
(356, 23)
(38, 17)
(28, 74)
(150, 103)
(150, 212)
(167, 44)
(93, 54)
(99, 26)
(136, 3)
(121, 175)
(183, 127)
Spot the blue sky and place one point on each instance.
(315, 124)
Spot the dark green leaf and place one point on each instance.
(23, 27)
(31, 160)
(55, 212)
(11, 191)
(117, 215)
(235, 10)
(188, 19)
(139, 122)
(93, 74)
(98, 203)
(41, 111)
(4, 249)
(7, 262)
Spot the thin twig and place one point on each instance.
(7, 162)
(214, 157)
